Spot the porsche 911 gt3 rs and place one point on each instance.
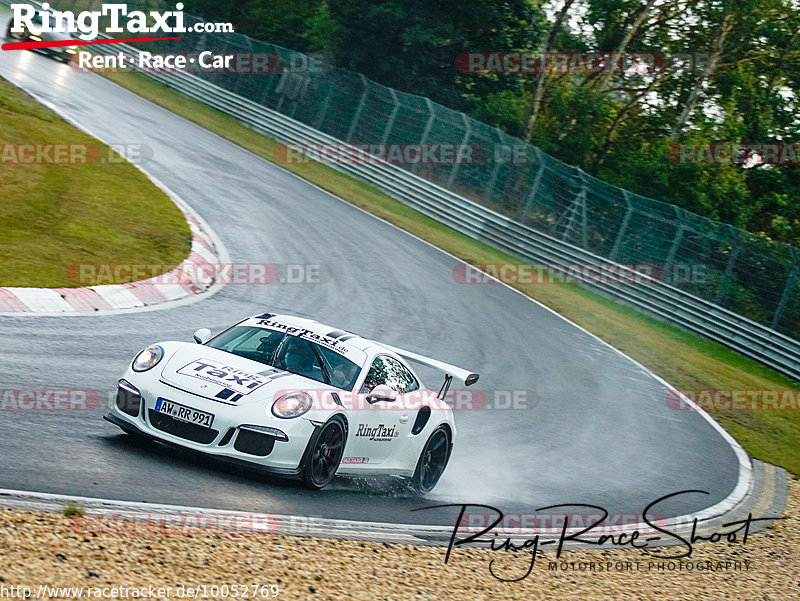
(294, 398)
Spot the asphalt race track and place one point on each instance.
(596, 429)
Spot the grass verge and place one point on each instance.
(683, 359)
(77, 203)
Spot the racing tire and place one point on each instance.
(324, 455)
(432, 462)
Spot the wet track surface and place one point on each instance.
(596, 429)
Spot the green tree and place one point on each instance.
(278, 22)
(412, 45)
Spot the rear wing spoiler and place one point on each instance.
(451, 371)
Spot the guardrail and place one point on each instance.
(664, 301)
(661, 300)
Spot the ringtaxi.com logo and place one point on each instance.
(244, 274)
(41, 399)
(85, 25)
(73, 154)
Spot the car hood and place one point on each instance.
(228, 378)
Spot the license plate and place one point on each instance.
(184, 414)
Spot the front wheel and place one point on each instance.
(324, 455)
(432, 461)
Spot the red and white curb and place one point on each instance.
(194, 278)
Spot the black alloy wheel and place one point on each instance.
(324, 457)
(432, 461)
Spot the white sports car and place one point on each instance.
(295, 398)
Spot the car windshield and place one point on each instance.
(289, 353)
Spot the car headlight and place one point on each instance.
(148, 358)
(293, 404)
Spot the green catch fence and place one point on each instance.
(732, 268)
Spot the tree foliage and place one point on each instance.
(728, 71)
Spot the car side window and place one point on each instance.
(388, 370)
(399, 377)
(375, 376)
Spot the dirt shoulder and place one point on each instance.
(44, 549)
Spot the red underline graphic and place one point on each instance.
(59, 44)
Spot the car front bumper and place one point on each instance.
(238, 434)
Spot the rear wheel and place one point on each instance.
(432, 461)
(324, 455)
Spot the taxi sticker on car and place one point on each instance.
(231, 378)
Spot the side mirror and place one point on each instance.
(382, 393)
(202, 335)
